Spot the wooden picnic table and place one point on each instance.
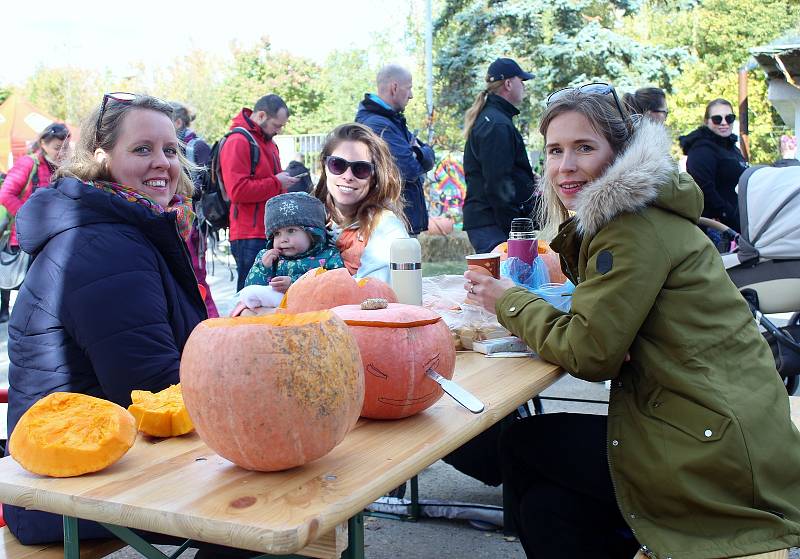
(178, 486)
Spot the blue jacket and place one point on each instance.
(107, 306)
(413, 161)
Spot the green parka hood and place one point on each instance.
(644, 174)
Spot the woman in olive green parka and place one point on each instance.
(703, 457)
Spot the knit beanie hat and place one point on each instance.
(293, 209)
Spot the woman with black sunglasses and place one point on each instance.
(715, 162)
(361, 188)
(697, 457)
(29, 173)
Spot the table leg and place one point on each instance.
(355, 538)
(72, 544)
(414, 498)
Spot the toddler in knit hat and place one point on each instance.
(297, 241)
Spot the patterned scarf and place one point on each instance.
(181, 208)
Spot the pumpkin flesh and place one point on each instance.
(67, 434)
(289, 391)
(162, 414)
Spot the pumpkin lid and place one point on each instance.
(394, 315)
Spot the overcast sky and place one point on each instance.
(115, 34)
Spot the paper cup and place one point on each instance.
(487, 263)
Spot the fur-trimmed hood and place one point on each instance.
(643, 175)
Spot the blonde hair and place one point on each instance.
(385, 186)
(602, 113)
(83, 166)
(477, 106)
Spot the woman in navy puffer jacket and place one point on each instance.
(110, 298)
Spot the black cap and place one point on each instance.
(505, 69)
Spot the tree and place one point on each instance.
(719, 38)
(564, 42)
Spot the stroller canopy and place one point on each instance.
(769, 208)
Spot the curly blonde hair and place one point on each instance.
(83, 165)
(385, 186)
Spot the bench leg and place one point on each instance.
(135, 541)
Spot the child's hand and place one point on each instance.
(280, 283)
(270, 256)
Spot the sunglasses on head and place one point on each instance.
(594, 88)
(729, 118)
(117, 96)
(360, 169)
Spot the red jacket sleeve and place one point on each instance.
(13, 184)
(235, 166)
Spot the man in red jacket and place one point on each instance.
(249, 194)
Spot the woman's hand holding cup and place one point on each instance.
(483, 289)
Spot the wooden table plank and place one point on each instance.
(180, 487)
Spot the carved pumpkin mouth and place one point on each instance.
(407, 401)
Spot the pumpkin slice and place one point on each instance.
(66, 434)
(161, 414)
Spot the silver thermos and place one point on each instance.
(405, 256)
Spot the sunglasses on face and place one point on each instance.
(360, 169)
(117, 96)
(595, 88)
(729, 118)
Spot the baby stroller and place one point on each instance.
(765, 261)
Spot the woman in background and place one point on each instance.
(650, 102)
(715, 162)
(29, 173)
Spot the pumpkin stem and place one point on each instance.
(374, 304)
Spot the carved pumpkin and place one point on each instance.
(398, 343)
(67, 434)
(162, 414)
(272, 392)
(320, 289)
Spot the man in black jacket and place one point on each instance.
(383, 113)
(500, 181)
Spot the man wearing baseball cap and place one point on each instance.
(500, 181)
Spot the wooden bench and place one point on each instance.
(328, 546)
(10, 548)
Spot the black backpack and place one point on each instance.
(212, 204)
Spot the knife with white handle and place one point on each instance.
(459, 394)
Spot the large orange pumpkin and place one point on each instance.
(398, 344)
(67, 434)
(320, 289)
(272, 392)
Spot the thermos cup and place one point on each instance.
(405, 256)
(522, 242)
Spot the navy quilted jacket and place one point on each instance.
(106, 307)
